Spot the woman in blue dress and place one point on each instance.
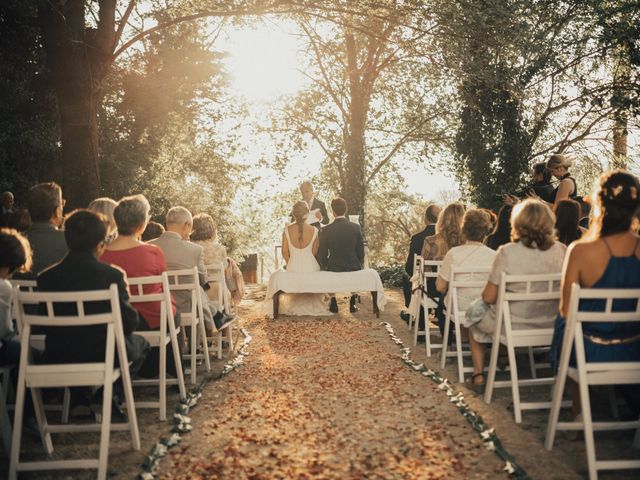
(608, 256)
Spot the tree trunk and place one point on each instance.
(78, 58)
(621, 79)
(354, 189)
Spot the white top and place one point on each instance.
(470, 255)
(6, 325)
(516, 259)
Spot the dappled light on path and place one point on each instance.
(326, 399)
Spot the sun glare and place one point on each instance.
(263, 62)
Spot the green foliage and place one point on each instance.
(391, 275)
(28, 113)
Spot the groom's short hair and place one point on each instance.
(339, 206)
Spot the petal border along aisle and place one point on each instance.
(488, 435)
(181, 422)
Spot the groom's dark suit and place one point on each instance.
(341, 246)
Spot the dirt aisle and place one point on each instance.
(330, 399)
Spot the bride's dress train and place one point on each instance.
(301, 260)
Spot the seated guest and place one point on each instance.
(136, 258)
(20, 220)
(533, 251)
(139, 259)
(471, 254)
(106, 206)
(80, 270)
(45, 205)
(585, 211)
(567, 218)
(15, 256)
(607, 257)
(152, 231)
(205, 234)
(501, 233)
(180, 254)
(6, 208)
(415, 248)
(448, 235)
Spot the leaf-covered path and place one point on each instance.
(327, 399)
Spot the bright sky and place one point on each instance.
(263, 63)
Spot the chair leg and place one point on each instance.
(194, 337)
(41, 417)
(445, 341)
(493, 366)
(205, 345)
(105, 431)
(16, 437)
(416, 326)
(589, 441)
(532, 364)
(177, 358)
(427, 331)
(66, 405)
(459, 352)
(132, 417)
(515, 387)
(163, 379)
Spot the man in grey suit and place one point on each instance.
(45, 205)
(180, 254)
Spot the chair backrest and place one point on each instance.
(46, 315)
(22, 285)
(459, 280)
(187, 280)
(138, 295)
(215, 275)
(417, 263)
(430, 268)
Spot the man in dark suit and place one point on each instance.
(80, 270)
(341, 248)
(415, 248)
(306, 189)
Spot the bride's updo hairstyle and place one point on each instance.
(299, 214)
(616, 200)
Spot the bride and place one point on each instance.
(299, 247)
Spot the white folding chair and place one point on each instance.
(594, 373)
(35, 377)
(37, 342)
(215, 277)
(454, 314)
(159, 339)
(187, 280)
(430, 269)
(543, 288)
(417, 270)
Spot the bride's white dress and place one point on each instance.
(301, 260)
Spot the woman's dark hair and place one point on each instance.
(84, 230)
(616, 200)
(502, 231)
(567, 219)
(541, 169)
(152, 230)
(15, 251)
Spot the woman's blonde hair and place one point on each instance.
(532, 223)
(449, 224)
(106, 207)
(299, 213)
(559, 160)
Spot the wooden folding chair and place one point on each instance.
(454, 314)
(159, 339)
(588, 373)
(187, 280)
(417, 269)
(430, 269)
(35, 377)
(543, 288)
(215, 277)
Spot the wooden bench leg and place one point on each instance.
(376, 310)
(276, 304)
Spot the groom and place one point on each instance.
(341, 248)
